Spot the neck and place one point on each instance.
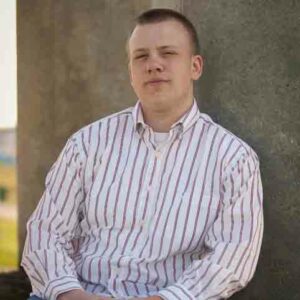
(161, 120)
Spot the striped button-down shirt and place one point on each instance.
(122, 217)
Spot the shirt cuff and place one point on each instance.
(176, 292)
(61, 285)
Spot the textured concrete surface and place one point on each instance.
(172, 4)
(251, 86)
(72, 70)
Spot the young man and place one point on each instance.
(156, 201)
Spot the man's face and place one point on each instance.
(161, 65)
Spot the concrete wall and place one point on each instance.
(72, 70)
(251, 86)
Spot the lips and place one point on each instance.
(156, 81)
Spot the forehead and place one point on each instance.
(164, 33)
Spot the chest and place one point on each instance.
(170, 195)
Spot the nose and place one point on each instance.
(154, 64)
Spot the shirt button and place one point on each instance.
(158, 154)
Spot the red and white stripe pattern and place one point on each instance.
(121, 217)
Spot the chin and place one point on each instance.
(158, 97)
(154, 101)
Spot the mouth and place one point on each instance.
(156, 81)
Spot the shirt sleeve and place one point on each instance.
(47, 255)
(233, 241)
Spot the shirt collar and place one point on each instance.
(185, 122)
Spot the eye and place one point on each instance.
(167, 53)
(141, 56)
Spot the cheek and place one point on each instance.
(134, 77)
(182, 75)
(136, 73)
(137, 83)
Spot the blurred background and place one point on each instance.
(8, 124)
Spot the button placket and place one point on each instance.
(150, 189)
(146, 185)
(157, 154)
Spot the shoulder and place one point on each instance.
(87, 132)
(232, 149)
(89, 136)
(103, 122)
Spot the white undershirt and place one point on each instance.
(160, 137)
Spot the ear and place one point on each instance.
(197, 66)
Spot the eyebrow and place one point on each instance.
(160, 48)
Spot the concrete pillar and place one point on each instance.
(251, 86)
(172, 4)
(72, 70)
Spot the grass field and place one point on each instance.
(8, 225)
(8, 179)
(8, 244)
